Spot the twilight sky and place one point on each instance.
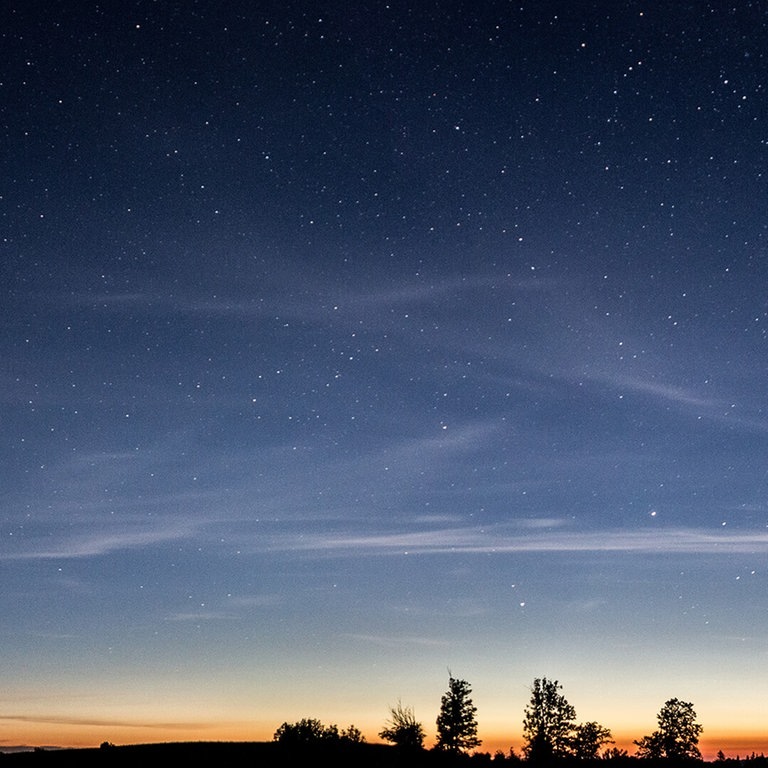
(344, 344)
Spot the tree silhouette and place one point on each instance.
(312, 731)
(353, 734)
(305, 731)
(457, 721)
(403, 729)
(549, 720)
(677, 736)
(587, 740)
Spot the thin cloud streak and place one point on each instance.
(337, 301)
(94, 721)
(494, 540)
(99, 544)
(527, 536)
(686, 401)
(201, 617)
(397, 642)
(666, 392)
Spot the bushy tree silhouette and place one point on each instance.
(677, 736)
(305, 731)
(353, 734)
(457, 721)
(588, 739)
(312, 731)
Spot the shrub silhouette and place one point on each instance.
(403, 730)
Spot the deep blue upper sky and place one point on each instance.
(290, 291)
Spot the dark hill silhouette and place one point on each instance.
(338, 754)
(232, 754)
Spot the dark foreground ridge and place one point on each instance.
(337, 755)
(234, 754)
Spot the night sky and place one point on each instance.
(347, 344)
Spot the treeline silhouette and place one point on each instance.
(551, 735)
(552, 738)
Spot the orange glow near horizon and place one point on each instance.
(732, 744)
(40, 733)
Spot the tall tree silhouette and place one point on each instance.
(548, 722)
(457, 721)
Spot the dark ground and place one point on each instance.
(338, 755)
(230, 754)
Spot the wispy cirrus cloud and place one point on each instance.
(546, 535)
(202, 616)
(100, 722)
(392, 641)
(688, 400)
(670, 393)
(505, 539)
(90, 543)
(277, 295)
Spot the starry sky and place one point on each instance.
(347, 344)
